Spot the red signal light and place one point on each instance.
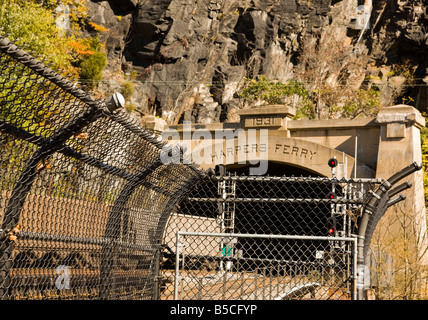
(332, 196)
(332, 163)
(331, 230)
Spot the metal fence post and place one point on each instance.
(156, 286)
(177, 265)
(110, 233)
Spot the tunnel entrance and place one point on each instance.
(287, 200)
(267, 215)
(279, 203)
(274, 169)
(253, 211)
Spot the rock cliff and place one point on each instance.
(186, 59)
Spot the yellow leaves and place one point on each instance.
(80, 48)
(424, 148)
(97, 27)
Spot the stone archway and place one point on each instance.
(280, 149)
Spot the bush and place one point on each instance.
(92, 63)
(33, 25)
(276, 92)
(363, 102)
(91, 68)
(128, 89)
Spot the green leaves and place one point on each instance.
(342, 103)
(275, 92)
(364, 102)
(91, 68)
(92, 63)
(33, 25)
(272, 92)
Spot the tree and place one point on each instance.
(32, 23)
(398, 266)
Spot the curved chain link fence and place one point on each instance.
(84, 196)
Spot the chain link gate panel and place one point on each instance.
(274, 268)
(267, 205)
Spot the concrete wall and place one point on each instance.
(363, 141)
(358, 138)
(400, 144)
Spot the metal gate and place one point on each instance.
(276, 268)
(285, 236)
(265, 237)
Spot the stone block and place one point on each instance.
(269, 116)
(395, 130)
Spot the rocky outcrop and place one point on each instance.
(398, 36)
(188, 58)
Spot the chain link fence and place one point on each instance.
(84, 197)
(275, 237)
(261, 212)
(273, 267)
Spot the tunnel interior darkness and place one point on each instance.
(274, 169)
(269, 217)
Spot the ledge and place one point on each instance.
(331, 124)
(401, 114)
(277, 109)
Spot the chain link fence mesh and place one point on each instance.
(311, 207)
(84, 196)
(272, 268)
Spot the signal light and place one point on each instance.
(332, 163)
(332, 196)
(331, 224)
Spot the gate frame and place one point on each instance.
(374, 208)
(353, 240)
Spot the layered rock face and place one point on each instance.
(186, 59)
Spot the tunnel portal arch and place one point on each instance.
(277, 150)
